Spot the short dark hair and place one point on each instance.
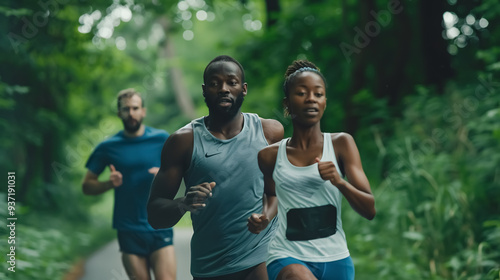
(224, 58)
(127, 93)
(299, 66)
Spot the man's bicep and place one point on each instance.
(173, 165)
(167, 182)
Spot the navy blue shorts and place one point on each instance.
(337, 270)
(144, 243)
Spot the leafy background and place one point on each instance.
(415, 82)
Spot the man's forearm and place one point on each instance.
(94, 187)
(165, 213)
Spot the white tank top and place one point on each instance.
(303, 187)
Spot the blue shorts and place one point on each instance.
(337, 270)
(144, 243)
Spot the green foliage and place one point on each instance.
(48, 243)
(438, 202)
(430, 149)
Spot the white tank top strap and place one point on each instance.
(329, 151)
(282, 150)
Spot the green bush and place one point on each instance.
(437, 199)
(47, 244)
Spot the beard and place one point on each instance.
(225, 113)
(131, 128)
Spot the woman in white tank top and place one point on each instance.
(304, 185)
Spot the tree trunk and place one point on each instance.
(273, 9)
(31, 161)
(358, 74)
(176, 77)
(392, 79)
(436, 59)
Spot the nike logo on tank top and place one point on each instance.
(221, 243)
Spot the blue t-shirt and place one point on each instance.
(132, 157)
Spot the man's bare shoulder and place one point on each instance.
(184, 131)
(271, 123)
(181, 139)
(273, 130)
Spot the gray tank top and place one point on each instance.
(221, 243)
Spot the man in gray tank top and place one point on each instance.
(217, 157)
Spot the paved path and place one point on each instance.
(105, 264)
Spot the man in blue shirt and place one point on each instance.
(133, 158)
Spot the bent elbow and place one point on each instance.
(86, 189)
(153, 221)
(154, 224)
(371, 215)
(157, 223)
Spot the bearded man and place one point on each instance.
(132, 156)
(216, 155)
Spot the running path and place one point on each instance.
(105, 264)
